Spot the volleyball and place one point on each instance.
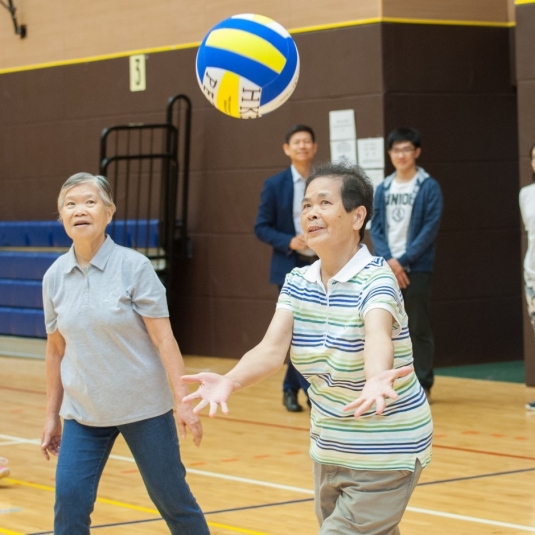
(247, 66)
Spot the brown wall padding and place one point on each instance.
(525, 70)
(475, 10)
(453, 83)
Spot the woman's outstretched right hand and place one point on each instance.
(214, 390)
(51, 438)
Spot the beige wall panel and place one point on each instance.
(511, 10)
(60, 30)
(469, 10)
(317, 12)
(46, 39)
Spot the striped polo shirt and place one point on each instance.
(328, 349)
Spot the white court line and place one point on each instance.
(19, 440)
(472, 519)
(231, 478)
(11, 442)
(309, 492)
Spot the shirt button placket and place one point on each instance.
(86, 292)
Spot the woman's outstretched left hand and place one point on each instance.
(376, 390)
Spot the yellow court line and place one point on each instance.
(234, 529)
(307, 29)
(28, 484)
(238, 530)
(9, 532)
(101, 500)
(520, 2)
(128, 506)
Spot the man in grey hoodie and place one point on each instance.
(407, 212)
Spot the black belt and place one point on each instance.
(305, 259)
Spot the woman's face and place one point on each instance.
(84, 214)
(325, 222)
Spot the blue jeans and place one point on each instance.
(153, 442)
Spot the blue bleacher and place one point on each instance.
(52, 233)
(22, 322)
(21, 271)
(33, 234)
(21, 293)
(25, 265)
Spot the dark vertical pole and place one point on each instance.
(127, 189)
(149, 199)
(136, 240)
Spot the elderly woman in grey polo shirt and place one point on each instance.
(110, 357)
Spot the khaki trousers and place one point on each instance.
(364, 502)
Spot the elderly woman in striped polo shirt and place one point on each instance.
(344, 318)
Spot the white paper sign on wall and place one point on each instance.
(371, 152)
(342, 125)
(344, 150)
(138, 79)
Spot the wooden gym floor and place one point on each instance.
(252, 474)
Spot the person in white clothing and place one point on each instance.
(527, 210)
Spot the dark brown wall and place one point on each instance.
(231, 266)
(452, 83)
(50, 123)
(525, 71)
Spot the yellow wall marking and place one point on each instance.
(307, 29)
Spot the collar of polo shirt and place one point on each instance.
(357, 263)
(99, 260)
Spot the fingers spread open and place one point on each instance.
(213, 408)
(191, 378)
(203, 403)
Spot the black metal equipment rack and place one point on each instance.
(148, 168)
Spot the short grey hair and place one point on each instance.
(99, 181)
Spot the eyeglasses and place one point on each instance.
(404, 150)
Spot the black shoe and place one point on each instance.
(289, 400)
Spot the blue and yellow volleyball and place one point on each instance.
(247, 66)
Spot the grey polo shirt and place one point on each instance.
(111, 372)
